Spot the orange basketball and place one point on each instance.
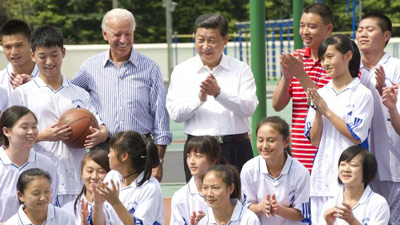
(79, 120)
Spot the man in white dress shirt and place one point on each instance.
(214, 94)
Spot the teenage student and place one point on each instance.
(378, 70)
(18, 135)
(355, 203)
(94, 168)
(15, 38)
(34, 194)
(203, 152)
(49, 95)
(222, 192)
(276, 186)
(129, 194)
(340, 116)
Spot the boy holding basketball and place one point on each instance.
(49, 95)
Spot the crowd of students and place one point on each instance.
(351, 115)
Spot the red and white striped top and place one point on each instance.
(301, 147)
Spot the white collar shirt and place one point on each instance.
(291, 188)
(354, 104)
(48, 105)
(241, 216)
(385, 141)
(3, 99)
(371, 209)
(9, 174)
(184, 202)
(5, 76)
(55, 216)
(226, 114)
(69, 207)
(144, 203)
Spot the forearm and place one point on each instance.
(242, 104)
(306, 82)
(123, 214)
(281, 96)
(290, 213)
(395, 120)
(316, 130)
(256, 208)
(161, 151)
(42, 136)
(98, 217)
(341, 126)
(103, 133)
(182, 110)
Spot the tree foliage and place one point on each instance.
(80, 20)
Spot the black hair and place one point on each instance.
(29, 175)
(322, 10)
(383, 21)
(278, 124)
(212, 21)
(368, 161)
(12, 27)
(99, 154)
(47, 36)
(207, 145)
(10, 117)
(343, 44)
(229, 175)
(142, 152)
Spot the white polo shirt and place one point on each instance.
(144, 203)
(184, 202)
(3, 99)
(9, 174)
(355, 105)
(385, 141)
(5, 76)
(69, 207)
(55, 216)
(48, 105)
(371, 209)
(241, 216)
(291, 188)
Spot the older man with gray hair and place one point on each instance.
(125, 86)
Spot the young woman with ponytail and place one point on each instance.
(129, 194)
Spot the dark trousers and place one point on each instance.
(237, 154)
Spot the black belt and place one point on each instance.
(229, 138)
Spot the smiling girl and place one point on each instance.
(203, 152)
(356, 203)
(18, 135)
(94, 169)
(275, 185)
(133, 196)
(222, 190)
(34, 193)
(340, 116)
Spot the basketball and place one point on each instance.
(79, 120)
